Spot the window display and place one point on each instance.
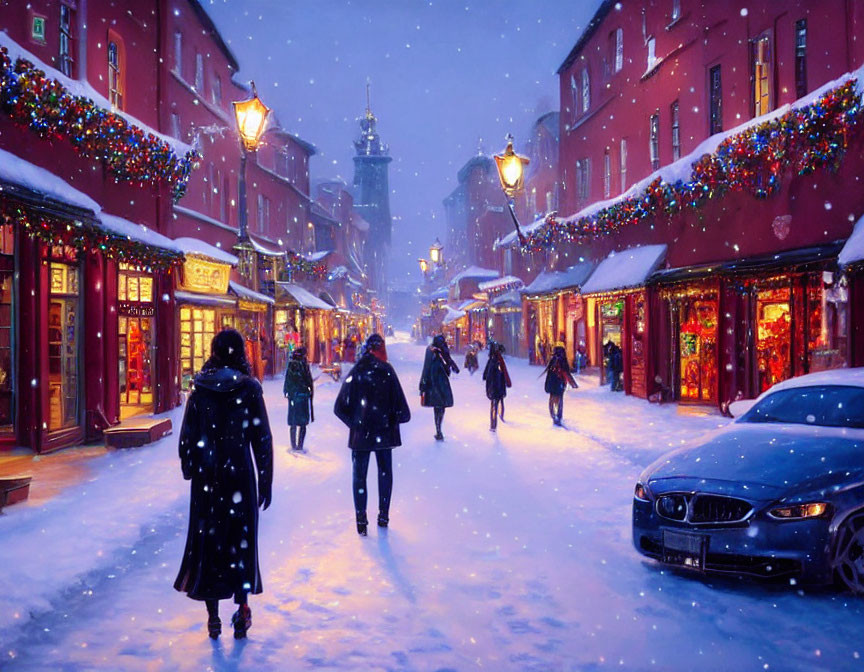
(197, 329)
(698, 350)
(135, 328)
(827, 314)
(773, 336)
(7, 358)
(63, 342)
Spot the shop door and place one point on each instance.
(697, 343)
(611, 319)
(773, 336)
(63, 346)
(7, 356)
(136, 366)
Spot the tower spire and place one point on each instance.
(369, 114)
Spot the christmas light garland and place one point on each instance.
(296, 263)
(752, 161)
(32, 99)
(86, 237)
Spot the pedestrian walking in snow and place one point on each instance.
(372, 404)
(299, 390)
(224, 426)
(471, 363)
(615, 366)
(435, 388)
(497, 381)
(558, 376)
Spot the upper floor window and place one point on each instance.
(574, 95)
(217, 90)
(175, 125)
(801, 58)
(676, 131)
(199, 72)
(178, 53)
(715, 101)
(115, 72)
(263, 213)
(607, 174)
(532, 202)
(652, 52)
(654, 144)
(586, 90)
(220, 196)
(619, 49)
(583, 179)
(762, 75)
(676, 10)
(65, 59)
(623, 165)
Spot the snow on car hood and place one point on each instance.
(780, 456)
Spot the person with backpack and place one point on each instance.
(299, 389)
(471, 363)
(226, 451)
(558, 376)
(497, 381)
(371, 403)
(435, 390)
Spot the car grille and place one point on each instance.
(715, 509)
(702, 509)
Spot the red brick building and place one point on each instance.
(748, 291)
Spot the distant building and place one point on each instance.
(372, 197)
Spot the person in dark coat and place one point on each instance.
(225, 425)
(299, 390)
(615, 366)
(435, 388)
(471, 363)
(371, 403)
(558, 376)
(497, 381)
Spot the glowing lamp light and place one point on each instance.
(511, 169)
(424, 265)
(251, 116)
(435, 252)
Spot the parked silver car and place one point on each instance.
(777, 493)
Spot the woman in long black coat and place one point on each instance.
(224, 426)
(298, 389)
(372, 404)
(558, 376)
(497, 381)
(435, 388)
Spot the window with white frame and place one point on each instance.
(115, 75)
(175, 125)
(607, 174)
(217, 91)
(199, 72)
(762, 75)
(619, 49)
(263, 214)
(583, 179)
(586, 90)
(676, 131)
(67, 22)
(676, 10)
(178, 53)
(652, 52)
(654, 146)
(623, 165)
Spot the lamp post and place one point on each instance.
(251, 116)
(436, 253)
(511, 172)
(424, 266)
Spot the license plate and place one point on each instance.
(685, 550)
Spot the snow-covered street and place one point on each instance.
(507, 551)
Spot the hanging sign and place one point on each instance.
(204, 276)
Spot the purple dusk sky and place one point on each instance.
(445, 75)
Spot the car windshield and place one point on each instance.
(825, 405)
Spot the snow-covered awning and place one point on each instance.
(266, 251)
(475, 273)
(451, 315)
(507, 300)
(204, 299)
(317, 256)
(551, 282)
(249, 294)
(139, 232)
(470, 304)
(625, 269)
(853, 250)
(510, 281)
(196, 246)
(17, 171)
(302, 297)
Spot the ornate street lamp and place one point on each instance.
(424, 266)
(511, 172)
(251, 116)
(436, 252)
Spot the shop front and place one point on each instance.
(204, 308)
(255, 323)
(136, 331)
(301, 318)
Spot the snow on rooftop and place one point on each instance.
(552, 281)
(625, 269)
(512, 237)
(139, 232)
(500, 282)
(853, 250)
(304, 298)
(317, 256)
(451, 315)
(245, 293)
(199, 247)
(261, 249)
(474, 272)
(83, 89)
(15, 170)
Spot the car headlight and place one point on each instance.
(799, 511)
(641, 493)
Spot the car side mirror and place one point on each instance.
(740, 407)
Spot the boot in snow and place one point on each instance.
(242, 621)
(214, 627)
(362, 524)
(383, 520)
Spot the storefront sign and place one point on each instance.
(574, 307)
(135, 309)
(252, 306)
(204, 276)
